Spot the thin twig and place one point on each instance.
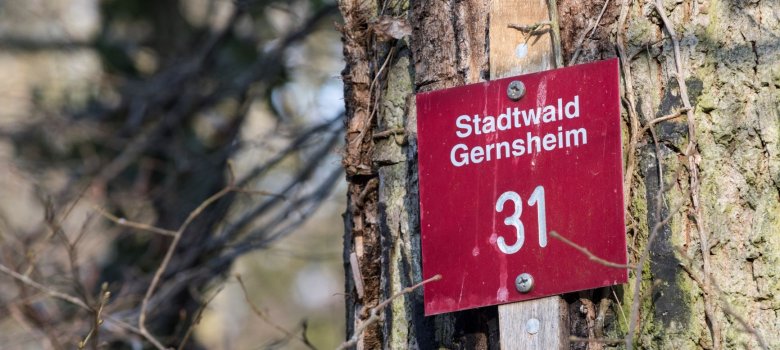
(376, 311)
(591, 256)
(638, 270)
(167, 259)
(72, 252)
(677, 114)
(70, 299)
(707, 288)
(746, 325)
(620, 305)
(259, 313)
(236, 228)
(299, 143)
(51, 292)
(197, 318)
(530, 28)
(93, 336)
(372, 111)
(259, 193)
(386, 133)
(589, 33)
(633, 119)
(132, 224)
(370, 187)
(693, 168)
(574, 339)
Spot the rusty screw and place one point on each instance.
(524, 282)
(515, 90)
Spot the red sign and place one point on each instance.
(497, 175)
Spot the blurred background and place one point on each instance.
(119, 120)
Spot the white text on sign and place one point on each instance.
(537, 198)
(515, 118)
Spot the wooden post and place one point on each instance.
(541, 323)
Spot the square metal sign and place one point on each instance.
(498, 173)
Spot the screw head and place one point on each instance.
(524, 282)
(532, 326)
(515, 90)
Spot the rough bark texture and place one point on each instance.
(716, 168)
(362, 237)
(729, 54)
(447, 48)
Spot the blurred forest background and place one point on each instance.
(151, 152)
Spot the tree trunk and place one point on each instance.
(702, 183)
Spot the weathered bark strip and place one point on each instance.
(357, 80)
(471, 32)
(382, 223)
(362, 236)
(434, 46)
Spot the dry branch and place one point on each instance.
(154, 109)
(693, 169)
(677, 114)
(259, 313)
(630, 102)
(167, 259)
(386, 133)
(376, 311)
(134, 225)
(609, 341)
(588, 33)
(46, 290)
(710, 289)
(68, 298)
(588, 253)
(197, 319)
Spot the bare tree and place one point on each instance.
(151, 151)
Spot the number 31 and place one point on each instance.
(537, 197)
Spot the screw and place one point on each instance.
(515, 90)
(524, 283)
(532, 326)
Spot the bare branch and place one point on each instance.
(630, 102)
(73, 300)
(746, 325)
(93, 335)
(589, 33)
(234, 229)
(51, 292)
(693, 168)
(376, 311)
(707, 288)
(529, 29)
(610, 341)
(677, 114)
(386, 133)
(587, 252)
(259, 313)
(132, 224)
(197, 318)
(167, 259)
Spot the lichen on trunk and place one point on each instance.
(716, 167)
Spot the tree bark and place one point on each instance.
(702, 182)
